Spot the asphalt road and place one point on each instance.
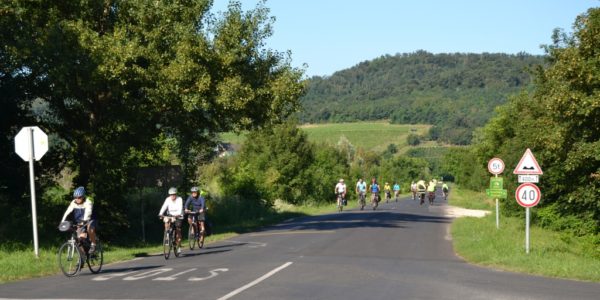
(400, 251)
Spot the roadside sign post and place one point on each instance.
(31, 143)
(496, 166)
(528, 194)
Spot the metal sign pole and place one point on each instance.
(32, 187)
(527, 230)
(497, 212)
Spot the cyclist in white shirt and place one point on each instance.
(173, 207)
(340, 188)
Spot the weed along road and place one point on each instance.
(400, 251)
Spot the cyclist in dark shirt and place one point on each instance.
(196, 203)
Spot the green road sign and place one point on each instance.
(496, 183)
(496, 193)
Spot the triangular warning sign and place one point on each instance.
(528, 165)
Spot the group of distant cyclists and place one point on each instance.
(81, 212)
(419, 188)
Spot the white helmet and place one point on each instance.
(173, 191)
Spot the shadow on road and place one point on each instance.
(356, 219)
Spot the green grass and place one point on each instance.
(18, 264)
(552, 254)
(375, 136)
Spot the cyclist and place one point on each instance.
(173, 206)
(445, 190)
(340, 189)
(374, 193)
(413, 189)
(431, 190)
(387, 189)
(396, 189)
(421, 189)
(198, 205)
(82, 209)
(361, 191)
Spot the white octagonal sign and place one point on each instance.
(22, 143)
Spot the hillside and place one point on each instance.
(454, 92)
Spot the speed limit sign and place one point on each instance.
(528, 195)
(496, 166)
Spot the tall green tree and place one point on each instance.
(117, 77)
(558, 120)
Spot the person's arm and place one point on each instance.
(68, 211)
(187, 203)
(163, 208)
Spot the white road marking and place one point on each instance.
(111, 276)
(213, 273)
(174, 276)
(255, 282)
(148, 274)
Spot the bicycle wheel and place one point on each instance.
(176, 249)
(96, 259)
(192, 237)
(167, 244)
(69, 259)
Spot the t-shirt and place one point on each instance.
(340, 188)
(396, 187)
(361, 186)
(374, 188)
(431, 187)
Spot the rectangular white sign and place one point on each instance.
(529, 178)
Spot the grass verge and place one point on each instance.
(17, 263)
(552, 254)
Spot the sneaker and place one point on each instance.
(92, 249)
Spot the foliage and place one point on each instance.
(115, 80)
(455, 92)
(558, 120)
(413, 139)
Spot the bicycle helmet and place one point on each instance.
(173, 191)
(194, 189)
(79, 192)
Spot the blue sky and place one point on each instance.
(332, 35)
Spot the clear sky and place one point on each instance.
(332, 35)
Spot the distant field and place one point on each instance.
(374, 136)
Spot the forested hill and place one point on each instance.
(455, 92)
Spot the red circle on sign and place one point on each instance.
(528, 195)
(496, 166)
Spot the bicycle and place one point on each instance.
(361, 200)
(396, 195)
(388, 196)
(194, 232)
(421, 197)
(431, 196)
(340, 202)
(71, 253)
(170, 239)
(375, 200)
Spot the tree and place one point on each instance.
(118, 77)
(558, 120)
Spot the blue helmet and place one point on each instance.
(79, 192)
